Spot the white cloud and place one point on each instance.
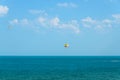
(3, 10)
(65, 4)
(99, 28)
(88, 22)
(55, 21)
(99, 25)
(116, 16)
(107, 21)
(24, 21)
(42, 21)
(19, 22)
(14, 21)
(34, 11)
(72, 25)
(51, 23)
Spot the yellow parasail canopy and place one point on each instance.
(66, 45)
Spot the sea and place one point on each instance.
(59, 67)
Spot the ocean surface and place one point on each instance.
(59, 68)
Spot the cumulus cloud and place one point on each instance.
(107, 21)
(72, 25)
(101, 25)
(24, 21)
(116, 16)
(98, 25)
(35, 11)
(42, 21)
(3, 10)
(46, 22)
(19, 22)
(56, 23)
(65, 4)
(88, 22)
(14, 21)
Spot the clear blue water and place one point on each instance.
(59, 68)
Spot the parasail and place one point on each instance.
(66, 45)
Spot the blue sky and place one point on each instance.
(41, 27)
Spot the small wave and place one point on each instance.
(115, 61)
(112, 61)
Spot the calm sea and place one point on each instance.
(59, 68)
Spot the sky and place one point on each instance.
(42, 27)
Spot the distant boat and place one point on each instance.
(66, 45)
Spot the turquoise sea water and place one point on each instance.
(59, 68)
